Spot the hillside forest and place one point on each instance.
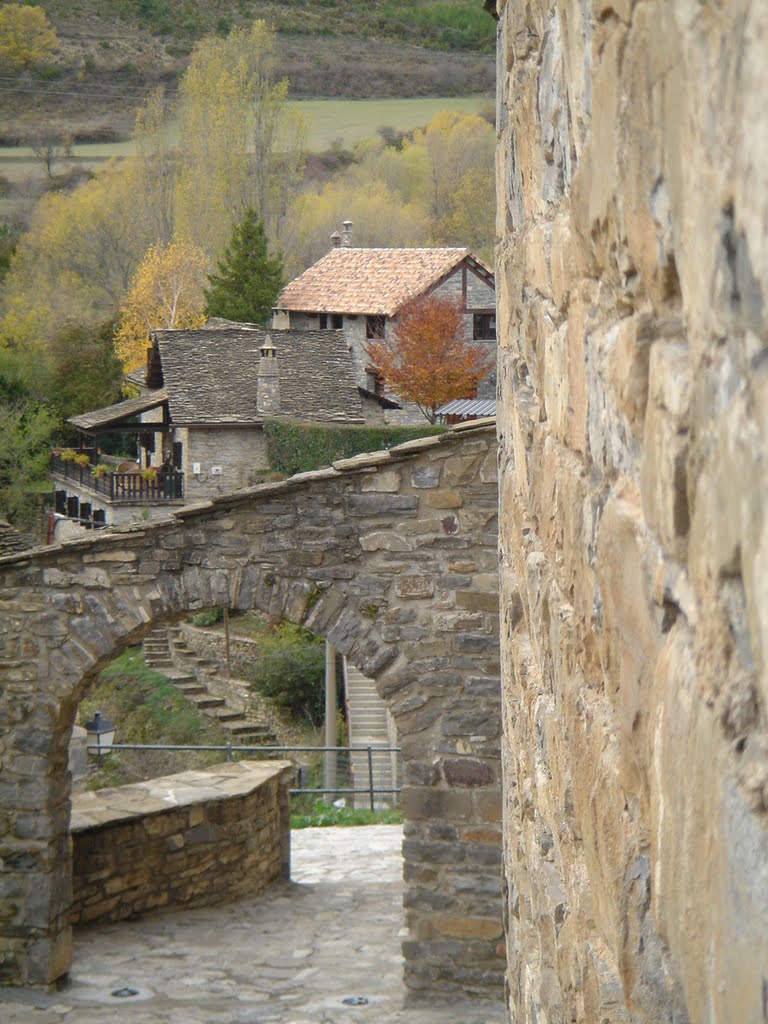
(222, 143)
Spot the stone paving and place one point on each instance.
(289, 957)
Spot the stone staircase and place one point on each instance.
(166, 651)
(369, 723)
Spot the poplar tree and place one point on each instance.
(249, 279)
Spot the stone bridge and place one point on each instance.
(393, 557)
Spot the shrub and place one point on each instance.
(208, 618)
(299, 447)
(290, 671)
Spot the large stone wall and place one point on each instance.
(393, 557)
(632, 275)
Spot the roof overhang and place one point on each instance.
(113, 415)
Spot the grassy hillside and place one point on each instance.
(112, 51)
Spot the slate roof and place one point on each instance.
(90, 421)
(211, 375)
(371, 281)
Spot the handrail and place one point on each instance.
(230, 749)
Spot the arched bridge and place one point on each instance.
(392, 556)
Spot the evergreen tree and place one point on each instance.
(249, 279)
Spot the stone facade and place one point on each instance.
(393, 557)
(228, 459)
(185, 840)
(632, 277)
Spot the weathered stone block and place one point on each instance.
(476, 600)
(467, 771)
(425, 476)
(381, 505)
(468, 927)
(428, 802)
(444, 498)
(414, 587)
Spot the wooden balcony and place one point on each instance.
(167, 485)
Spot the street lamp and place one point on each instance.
(100, 731)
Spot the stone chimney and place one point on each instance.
(335, 239)
(268, 390)
(346, 234)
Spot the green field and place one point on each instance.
(353, 120)
(330, 121)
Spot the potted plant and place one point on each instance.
(150, 474)
(101, 470)
(82, 459)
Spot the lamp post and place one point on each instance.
(101, 732)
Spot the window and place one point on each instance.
(323, 321)
(374, 328)
(484, 327)
(337, 321)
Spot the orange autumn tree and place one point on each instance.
(427, 360)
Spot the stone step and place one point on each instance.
(189, 689)
(226, 714)
(241, 728)
(205, 701)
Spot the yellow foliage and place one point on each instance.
(238, 145)
(77, 259)
(378, 214)
(167, 292)
(26, 35)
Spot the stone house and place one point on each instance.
(199, 416)
(361, 291)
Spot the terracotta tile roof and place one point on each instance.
(369, 281)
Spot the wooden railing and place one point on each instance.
(167, 485)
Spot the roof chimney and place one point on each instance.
(268, 388)
(346, 234)
(335, 239)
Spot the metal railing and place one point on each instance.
(167, 485)
(372, 790)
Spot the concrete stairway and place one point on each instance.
(166, 651)
(370, 724)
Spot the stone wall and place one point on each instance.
(632, 275)
(238, 452)
(393, 557)
(186, 840)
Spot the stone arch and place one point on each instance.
(392, 556)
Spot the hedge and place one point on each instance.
(300, 447)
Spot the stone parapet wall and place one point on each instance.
(632, 276)
(186, 840)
